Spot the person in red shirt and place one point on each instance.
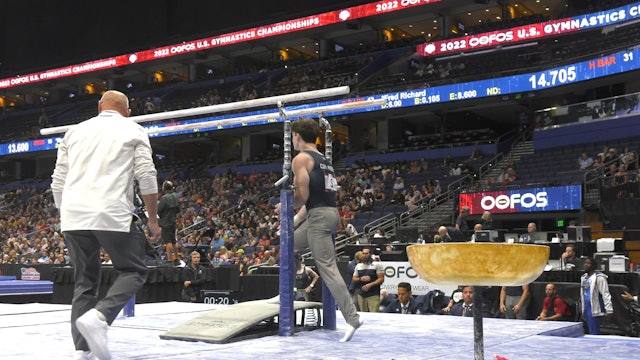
(554, 308)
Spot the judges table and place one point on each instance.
(163, 283)
(582, 248)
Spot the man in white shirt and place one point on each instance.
(92, 186)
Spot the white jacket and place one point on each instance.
(599, 286)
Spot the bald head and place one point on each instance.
(116, 101)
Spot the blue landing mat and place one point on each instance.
(20, 287)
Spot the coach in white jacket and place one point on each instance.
(596, 299)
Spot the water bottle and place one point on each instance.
(420, 239)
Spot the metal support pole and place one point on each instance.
(129, 309)
(478, 335)
(286, 320)
(328, 141)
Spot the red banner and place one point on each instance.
(285, 27)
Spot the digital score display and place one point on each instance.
(556, 198)
(587, 70)
(285, 27)
(530, 32)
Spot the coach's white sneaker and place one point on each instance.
(94, 330)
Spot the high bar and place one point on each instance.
(273, 115)
(245, 104)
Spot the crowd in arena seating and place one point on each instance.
(231, 214)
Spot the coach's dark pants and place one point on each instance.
(127, 254)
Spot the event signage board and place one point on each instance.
(555, 198)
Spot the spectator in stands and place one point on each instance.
(60, 260)
(595, 296)
(268, 259)
(628, 158)
(502, 177)
(45, 258)
(43, 120)
(554, 308)
(475, 153)
(348, 229)
(149, 108)
(428, 192)
(414, 168)
(620, 177)
(448, 161)
(603, 153)
(597, 163)
(466, 168)
(216, 260)
(346, 213)
(245, 264)
(379, 234)
(404, 303)
(366, 202)
(412, 200)
(106, 259)
(610, 170)
(397, 197)
(264, 241)
(437, 189)
(510, 177)
(398, 185)
(455, 169)
(218, 242)
(585, 161)
(611, 157)
(514, 301)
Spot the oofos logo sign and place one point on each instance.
(525, 200)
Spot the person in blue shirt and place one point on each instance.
(596, 298)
